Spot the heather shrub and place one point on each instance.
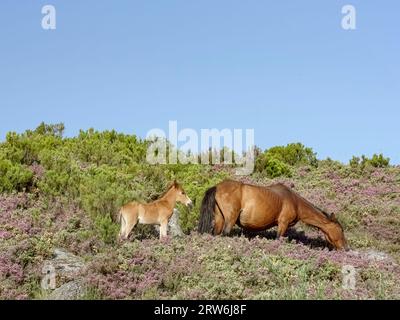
(329, 164)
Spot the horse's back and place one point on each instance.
(228, 185)
(243, 192)
(281, 190)
(261, 198)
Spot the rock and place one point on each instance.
(174, 229)
(377, 255)
(173, 225)
(64, 264)
(60, 275)
(373, 255)
(73, 290)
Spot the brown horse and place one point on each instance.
(158, 212)
(257, 208)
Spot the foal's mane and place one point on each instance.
(170, 186)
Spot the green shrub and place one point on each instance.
(272, 167)
(108, 147)
(14, 177)
(63, 175)
(106, 228)
(279, 161)
(104, 189)
(294, 154)
(377, 161)
(25, 148)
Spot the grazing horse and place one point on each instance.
(256, 208)
(158, 212)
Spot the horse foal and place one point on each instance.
(157, 213)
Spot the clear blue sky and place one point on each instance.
(285, 68)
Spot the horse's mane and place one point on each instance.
(326, 214)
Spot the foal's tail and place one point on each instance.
(207, 211)
(117, 217)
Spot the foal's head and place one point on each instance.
(181, 195)
(335, 235)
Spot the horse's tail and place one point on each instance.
(207, 211)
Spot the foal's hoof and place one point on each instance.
(121, 239)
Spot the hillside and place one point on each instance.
(58, 192)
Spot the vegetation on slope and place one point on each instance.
(64, 192)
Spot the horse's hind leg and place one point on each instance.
(229, 224)
(226, 212)
(230, 216)
(218, 222)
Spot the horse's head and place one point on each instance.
(181, 195)
(335, 234)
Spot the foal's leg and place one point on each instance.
(131, 222)
(163, 229)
